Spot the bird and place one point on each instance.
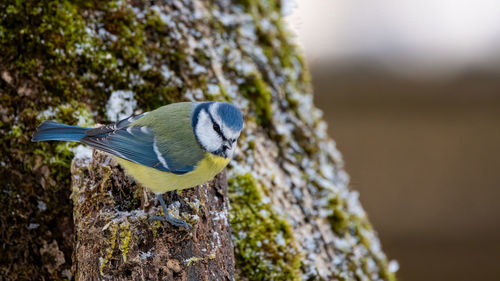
(173, 147)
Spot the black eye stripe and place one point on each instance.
(218, 130)
(216, 127)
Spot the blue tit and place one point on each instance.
(176, 146)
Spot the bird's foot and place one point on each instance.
(173, 221)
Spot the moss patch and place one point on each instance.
(111, 244)
(257, 91)
(345, 223)
(125, 236)
(265, 247)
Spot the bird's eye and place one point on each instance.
(216, 127)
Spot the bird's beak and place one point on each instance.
(227, 146)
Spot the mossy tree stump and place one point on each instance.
(115, 240)
(291, 212)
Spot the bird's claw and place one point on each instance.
(173, 221)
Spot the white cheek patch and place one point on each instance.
(206, 134)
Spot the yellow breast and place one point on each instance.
(160, 182)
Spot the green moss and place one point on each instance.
(125, 237)
(385, 273)
(258, 93)
(274, 40)
(192, 260)
(157, 224)
(339, 219)
(111, 244)
(222, 95)
(344, 223)
(265, 246)
(16, 131)
(251, 145)
(74, 60)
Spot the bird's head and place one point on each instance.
(217, 126)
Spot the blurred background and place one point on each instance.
(411, 93)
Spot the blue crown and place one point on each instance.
(231, 116)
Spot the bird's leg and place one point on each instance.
(178, 195)
(168, 217)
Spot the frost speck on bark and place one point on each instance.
(292, 214)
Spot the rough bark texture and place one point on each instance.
(291, 212)
(114, 239)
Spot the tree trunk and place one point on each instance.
(285, 211)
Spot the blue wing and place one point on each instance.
(134, 143)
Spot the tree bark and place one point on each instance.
(291, 215)
(115, 240)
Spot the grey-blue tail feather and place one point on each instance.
(51, 130)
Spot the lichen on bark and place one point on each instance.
(63, 59)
